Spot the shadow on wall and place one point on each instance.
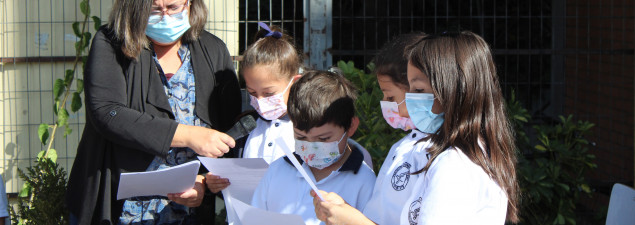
(9, 165)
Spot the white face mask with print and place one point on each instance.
(272, 107)
(319, 155)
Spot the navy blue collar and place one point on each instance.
(353, 163)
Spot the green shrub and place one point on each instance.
(43, 202)
(551, 170)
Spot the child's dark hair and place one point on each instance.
(273, 51)
(321, 97)
(390, 60)
(463, 77)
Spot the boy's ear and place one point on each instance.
(354, 125)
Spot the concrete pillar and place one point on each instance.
(318, 33)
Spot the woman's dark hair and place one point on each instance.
(321, 97)
(463, 77)
(129, 19)
(272, 51)
(390, 60)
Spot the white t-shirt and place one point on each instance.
(3, 200)
(284, 190)
(395, 181)
(455, 190)
(262, 143)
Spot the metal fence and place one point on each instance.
(36, 47)
(519, 32)
(288, 15)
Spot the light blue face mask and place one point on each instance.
(419, 107)
(169, 29)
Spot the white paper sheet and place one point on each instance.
(175, 179)
(289, 153)
(232, 217)
(249, 215)
(243, 174)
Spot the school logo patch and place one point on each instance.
(401, 176)
(413, 212)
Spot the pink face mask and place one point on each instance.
(272, 107)
(390, 110)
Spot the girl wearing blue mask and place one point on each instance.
(470, 177)
(159, 92)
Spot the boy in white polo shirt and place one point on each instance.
(321, 107)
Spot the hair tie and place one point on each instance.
(275, 34)
(336, 70)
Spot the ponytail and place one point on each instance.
(272, 47)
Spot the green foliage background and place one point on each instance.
(551, 167)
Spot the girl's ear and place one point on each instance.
(354, 124)
(296, 77)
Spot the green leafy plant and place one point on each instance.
(45, 205)
(41, 199)
(373, 132)
(551, 172)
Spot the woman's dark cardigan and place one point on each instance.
(129, 120)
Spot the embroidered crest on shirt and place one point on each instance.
(401, 176)
(413, 211)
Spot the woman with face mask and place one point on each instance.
(159, 92)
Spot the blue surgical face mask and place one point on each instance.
(419, 107)
(169, 29)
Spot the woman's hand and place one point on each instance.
(216, 183)
(334, 210)
(192, 197)
(204, 141)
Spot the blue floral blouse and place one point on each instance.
(180, 89)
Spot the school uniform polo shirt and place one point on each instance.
(367, 158)
(284, 190)
(455, 190)
(262, 143)
(395, 181)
